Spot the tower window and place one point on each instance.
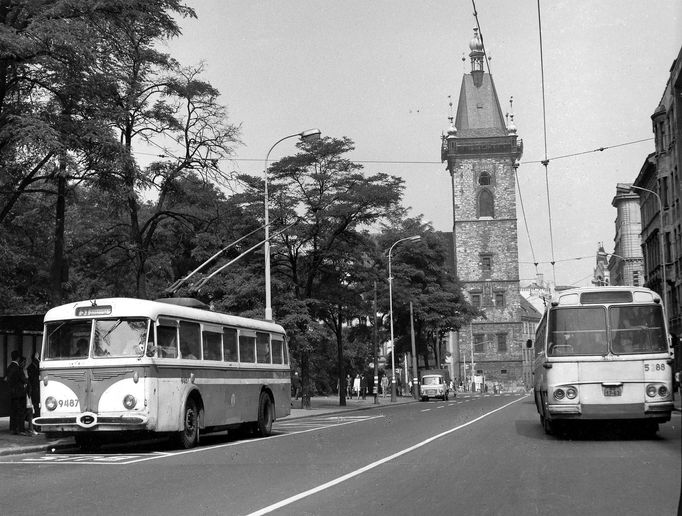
(486, 204)
(499, 299)
(476, 300)
(501, 342)
(484, 179)
(479, 343)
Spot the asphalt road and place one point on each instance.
(471, 455)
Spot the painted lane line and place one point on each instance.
(373, 465)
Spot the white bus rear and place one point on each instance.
(603, 354)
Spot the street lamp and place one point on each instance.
(660, 240)
(310, 134)
(390, 310)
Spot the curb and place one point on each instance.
(31, 448)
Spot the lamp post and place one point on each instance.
(390, 310)
(664, 289)
(310, 134)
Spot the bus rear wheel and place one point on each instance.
(265, 415)
(189, 435)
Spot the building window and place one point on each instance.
(499, 299)
(486, 262)
(486, 204)
(635, 278)
(484, 179)
(501, 342)
(503, 371)
(476, 300)
(479, 344)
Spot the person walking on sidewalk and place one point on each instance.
(356, 386)
(384, 385)
(33, 372)
(17, 390)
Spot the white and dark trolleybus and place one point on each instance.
(121, 367)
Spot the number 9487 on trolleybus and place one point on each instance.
(120, 368)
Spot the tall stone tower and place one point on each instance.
(482, 155)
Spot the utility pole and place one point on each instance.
(415, 378)
(375, 341)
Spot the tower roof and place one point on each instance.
(478, 111)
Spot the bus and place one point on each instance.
(121, 368)
(603, 353)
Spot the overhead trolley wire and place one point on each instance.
(545, 161)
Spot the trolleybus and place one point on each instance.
(120, 367)
(603, 353)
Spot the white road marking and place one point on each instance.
(373, 465)
(317, 423)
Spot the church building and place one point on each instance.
(482, 153)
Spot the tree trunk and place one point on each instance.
(341, 368)
(58, 263)
(305, 380)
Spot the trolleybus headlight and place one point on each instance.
(50, 403)
(663, 391)
(571, 393)
(129, 401)
(559, 394)
(651, 390)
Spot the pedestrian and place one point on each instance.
(33, 372)
(363, 386)
(296, 385)
(17, 389)
(384, 385)
(356, 386)
(349, 386)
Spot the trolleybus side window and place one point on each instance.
(230, 345)
(277, 350)
(637, 329)
(247, 347)
(190, 340)
(120, 337)
(262, 348)
(577, 331)
(167, 340)
(212, 343)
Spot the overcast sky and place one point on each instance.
(380, 72)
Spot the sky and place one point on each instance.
(383, 72)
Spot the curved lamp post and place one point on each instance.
(390, 311)
(664, 288)
(310, 134)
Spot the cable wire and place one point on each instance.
(545, 162)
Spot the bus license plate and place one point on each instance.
(613, 390)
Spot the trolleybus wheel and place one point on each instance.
(189, 435)
(265, 415)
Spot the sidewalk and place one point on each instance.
(16, 444)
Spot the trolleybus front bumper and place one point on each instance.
(90, 420)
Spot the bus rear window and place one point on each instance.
(637, 329)
(577, 331)
(600, 298)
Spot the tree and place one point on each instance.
(421, 276)
(332, 201)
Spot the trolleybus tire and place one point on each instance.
(265, 415)
(189, 435)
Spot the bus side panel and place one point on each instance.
(170, 396)
(281, 389)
